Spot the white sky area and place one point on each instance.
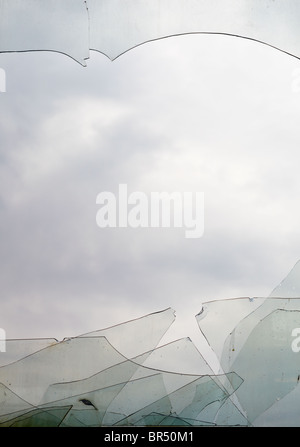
(207, 113)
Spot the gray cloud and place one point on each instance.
(197, 113)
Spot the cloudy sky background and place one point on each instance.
(207, 113)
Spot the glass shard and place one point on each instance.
(86, 381)
(74, 27)
(258, 339)
(117, 27)
(45, 25)
(137, 336)
(289, 286)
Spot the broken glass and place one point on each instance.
(121, 376)
(45, 25)
(74, 27)
(137, 336)
(116, 27)
(14, 350)
(289, 286)
(86, 381)
(260, 345)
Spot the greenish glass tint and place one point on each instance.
(258, 339)
(86, 381)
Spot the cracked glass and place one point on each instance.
(120, 375)
(86, 381)
(112, 27)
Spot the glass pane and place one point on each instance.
(51, 25)
(259, 345)
(85, 381)
(73, 27)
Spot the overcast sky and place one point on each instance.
(207, 113)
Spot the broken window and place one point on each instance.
(120, 375)
(257, 339)
(86, 381)
(74, 27)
